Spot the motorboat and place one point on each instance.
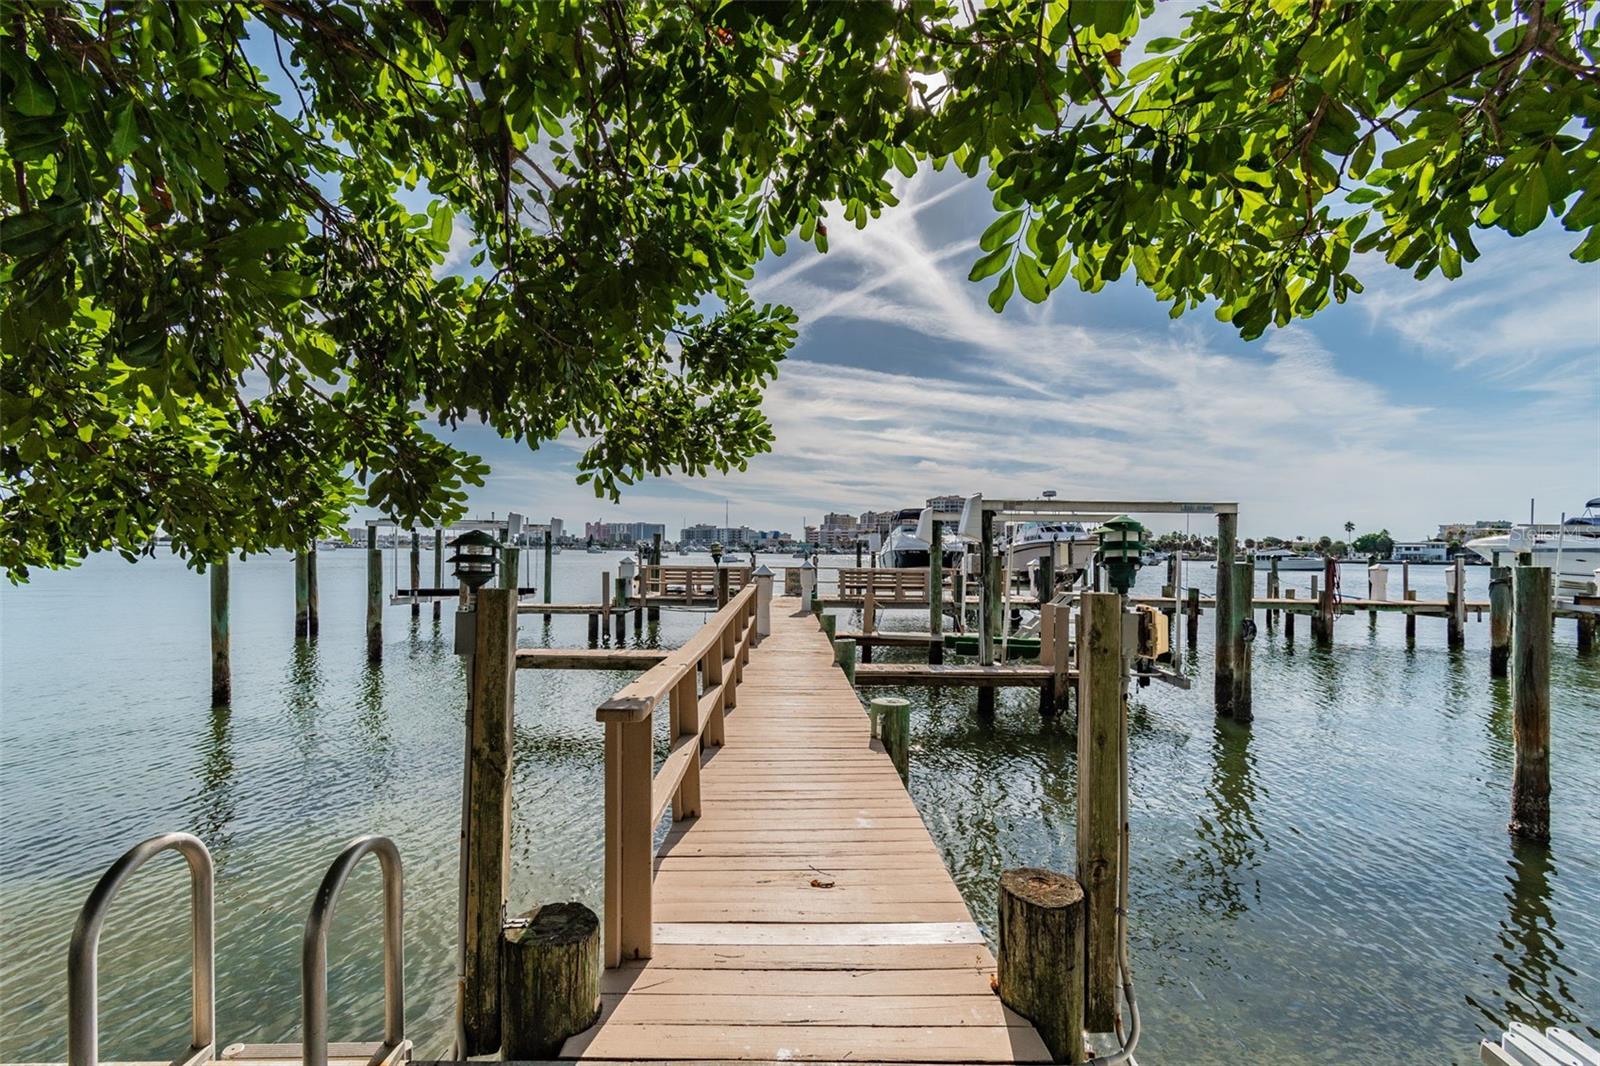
(595, 549)
(1287, 560)
(903, 549)
(1571, 549)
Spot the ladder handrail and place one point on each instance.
(83, 1007)
(314, 948)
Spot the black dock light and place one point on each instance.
(476, 558)
(1121, 548)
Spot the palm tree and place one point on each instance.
(1349, 528)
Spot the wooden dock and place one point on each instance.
(806, 913)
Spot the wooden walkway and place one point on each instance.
(806, 914)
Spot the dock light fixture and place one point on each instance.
(1121, 548)
(476, 558)
(716, 552)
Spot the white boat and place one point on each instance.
(1287, 560)
(902, 548)
(595, 549)
(1571, 548)
(1073, 545)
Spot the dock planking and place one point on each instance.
(806, 914)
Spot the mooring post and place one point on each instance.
(374, 597)
(550, 980)
(302, 594)
(844, 656)
(1227, 617)
(1530, 703)
(416, 572)
(935, 594)
(1040, 961)
(1101, 749)
(549, 561)
(1288, 616)
(1588, 629)
(891, 718)
(1047, 646)
(989, 605)
(1325, 604)
(1194, 616)
(1244, 579)
(858, 555)
(1456, 600)
(1500, 606)
(1411, 618)
(510, 564)
(486, 836)
(221, 664)
(830, 626)
(1055, 651)
(1274, 591)
(438, 570)
(311, 591)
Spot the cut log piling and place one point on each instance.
(1243, 634)
(302, 596)
(1411, 620)
(1500, 604)
(844, 654)
(221, 660)
(1227, 619)
(1530, 703)
(486, 837)
(1456, 598)
(1193, 633)
(893, 721)
(550, 987)
(1288, 617)
(1041, 956)
(1101, 684)
(374, 597)
(416, 572)
(311, 591)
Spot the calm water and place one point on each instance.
(1333, 885)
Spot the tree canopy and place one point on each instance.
(227, 312)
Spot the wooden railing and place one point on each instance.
(701, 681)
(691, 582)
(888, 585)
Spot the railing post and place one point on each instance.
(487, 833)
(628, 906)
(1101, 750)
(763, 601)
(808, 585)
(684, 705)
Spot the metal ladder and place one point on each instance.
(83, 1009)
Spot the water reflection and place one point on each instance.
(302, 696)
(1537, 987)
(1227, 861)
(372, 736)
(214, 801)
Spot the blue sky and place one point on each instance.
(1413, 404)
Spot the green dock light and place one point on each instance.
(716, 552)
(476, 559)
(1121, 548)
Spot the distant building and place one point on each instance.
(732, 538)
(1420, 551)
(623, 534)
(943, 505)
(1465, 531)
(879, 522)
(837, 532)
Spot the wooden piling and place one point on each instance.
(1274, 591)
(438, 569)
(1500, 606)
(989, 605)
(416, 572)
(1288, 616)
(1040, 961)
(312, 609)
(605, 601)
(830, 626)
(486, 837)
(302, 593)
(1101, 722)
(1055, 652)
(722, 587)
(893, 718)
(844, 656)
(936, 594)
(1588, 629)
(1530, 703)
(549, 561)
(221, 659)
(550, 980)
(1411, 619)
(1194, 616)
(374, 597)
(1326, 606)
(1223, 685)
(510, 563)
(1244, 600)
(1456, 601)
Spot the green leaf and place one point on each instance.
(1001, 292)
(125, 134)
(1001, 230)
(1406, 154)
(1532, 201)
(30, 92)
(1030, 281)
(990, 263)
(1361, 158)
